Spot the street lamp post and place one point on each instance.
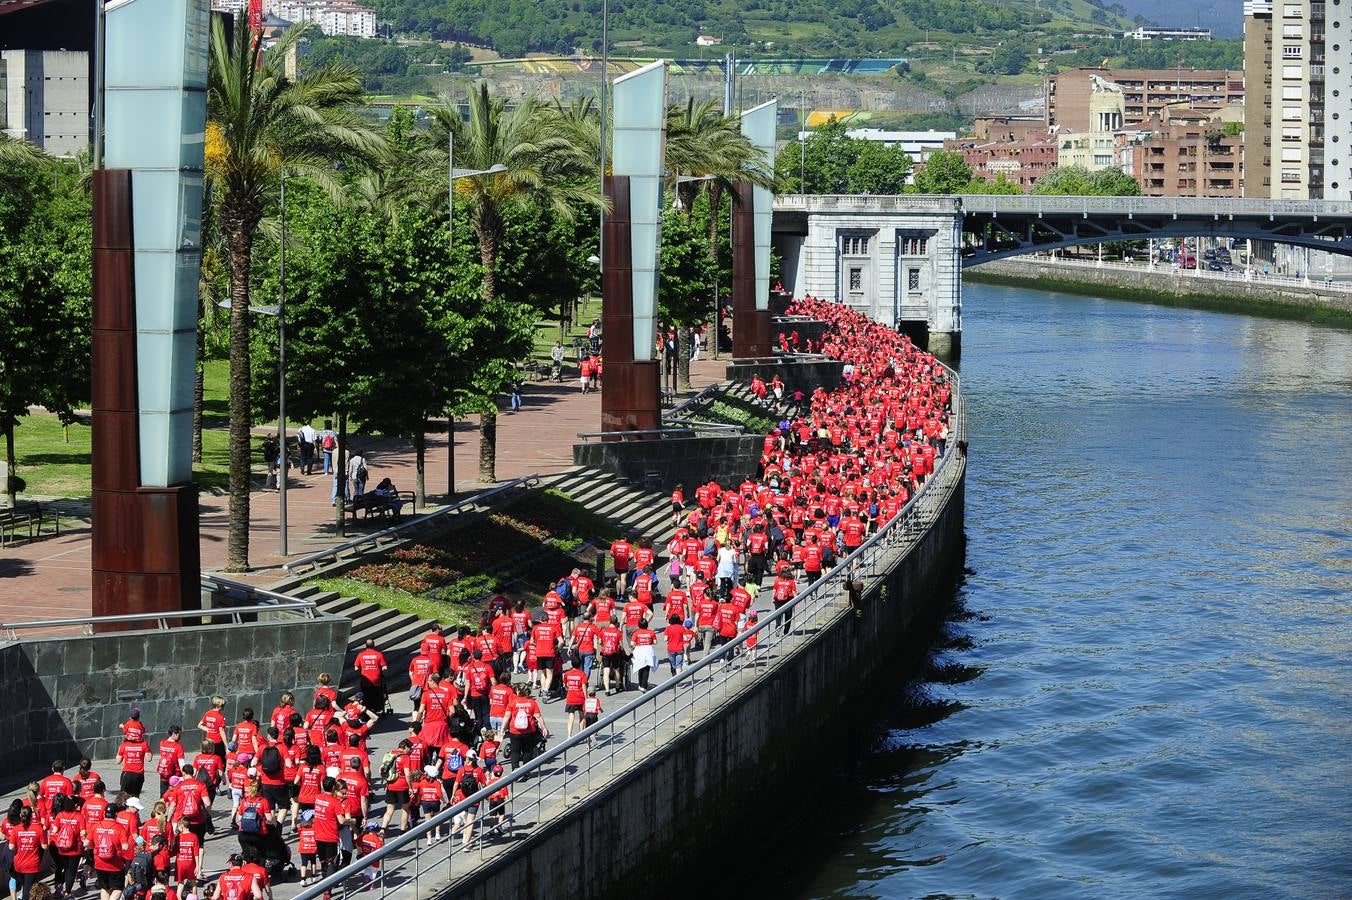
(452, 175)
(281, 372)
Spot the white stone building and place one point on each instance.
(893, 259)
(44, 98)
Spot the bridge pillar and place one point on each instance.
(945, 313)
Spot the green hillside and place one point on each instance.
(767, 27)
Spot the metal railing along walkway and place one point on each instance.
(414, 525)
(252, 601)
(1237, 275)
(564, 776)
(676, 431)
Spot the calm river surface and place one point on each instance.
(1145, 687)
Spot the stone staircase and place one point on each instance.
(634, 511)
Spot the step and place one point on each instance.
(341, 606)
(370, 615)
(410, 627)
(381, 631)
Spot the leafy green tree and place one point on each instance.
(1010, 58)
(1078, 181)
(879, 169)
(260, 120)
(1001, 185)
(820, 164)
(46, 291)
(945, 172)
(687, 275)
(541, 164)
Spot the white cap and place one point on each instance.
(431, 771)
(332, 771)
(136, 804)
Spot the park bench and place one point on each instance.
(380, 507)
(28, 521)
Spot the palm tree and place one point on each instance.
(260, 120)
(541, 163)
(701, 141)
(16, 153)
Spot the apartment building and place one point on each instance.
(1146, 93)
(1188, 155)
(44, 98)
(1296, 56)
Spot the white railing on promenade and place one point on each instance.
(1237, 275)
(987, 204)
(567, 774)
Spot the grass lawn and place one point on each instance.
(546, 333)
(54, 467)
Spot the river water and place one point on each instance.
(1145, 685)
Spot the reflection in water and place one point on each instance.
(1143, 688)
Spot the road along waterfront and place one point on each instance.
(1143, 688)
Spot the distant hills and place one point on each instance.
(1224, 17)
(812, 28)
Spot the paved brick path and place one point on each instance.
(50, 578)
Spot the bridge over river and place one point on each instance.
(899, 259)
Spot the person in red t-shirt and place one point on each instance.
(237, 884)
(526, 725)
(620, 552)
(170, 757)
(66, 838)
(27, 840)
(614, 655)
(328, 814)
(132, 756)
(187, 854)
(782, 592)
(545, 636)
(371, 666)
(213, 726)
(109, 844)
(575, 692)
(53, 786)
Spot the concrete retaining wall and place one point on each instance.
(808, 330)
(742, 770)
(1255, 296)
(805, 375)
(60, 696)
(678, 460)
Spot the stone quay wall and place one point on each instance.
(65, 696)
(741, 767)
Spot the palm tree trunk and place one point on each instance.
(240, 240)
(198, 389)
(716, 201)
(420, 460)
(489, 229)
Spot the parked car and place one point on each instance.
(1189, 260)
(1214, 265)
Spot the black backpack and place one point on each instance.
(271, 761)
(142, 869)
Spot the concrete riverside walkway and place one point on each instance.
(51, 578)
(628, 742)
(388, 732)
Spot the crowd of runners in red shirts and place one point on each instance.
(832, 473)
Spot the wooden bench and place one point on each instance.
(380, 507)
(28, 521)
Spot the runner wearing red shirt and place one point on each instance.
(53, 786)
(237, 884)
(575, 692)
(66, 838)
(170, 757)
(783, 591)
(545, 638)
(620, 552)
(132, 757)
(110, 844)
(613, 656)
(246, 737)
(584, 641)
(194, 805)
(27, 840)
(526, 725)
(328, 809)
(212, 725)
(187, 854)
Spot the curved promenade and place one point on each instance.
(630, 800)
